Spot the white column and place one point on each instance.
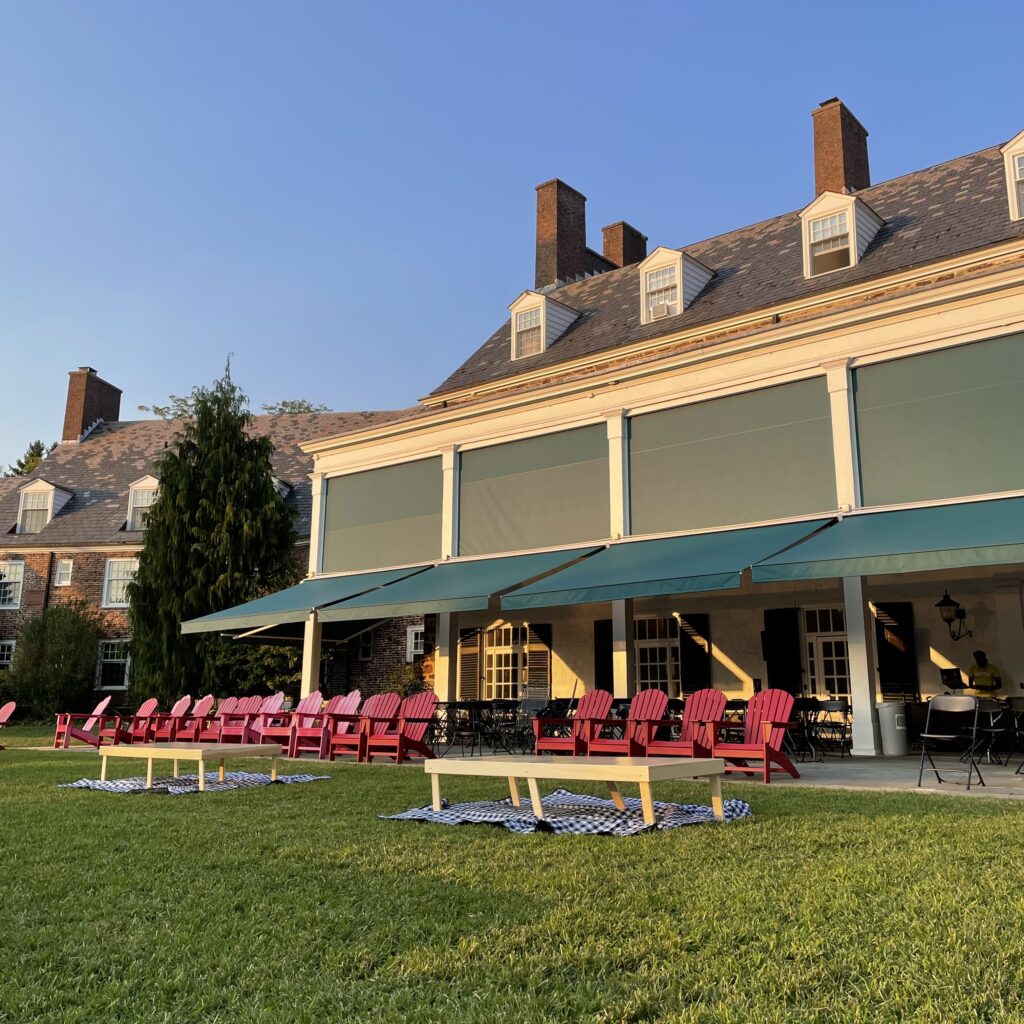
(623, 670)
(844, 445)
(1010, 623)
(450, 502)
(311, 655)
(860, 638)
(446, 656)
(618, 473)
(317, 519)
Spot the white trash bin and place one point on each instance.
(892, 724)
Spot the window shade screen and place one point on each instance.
(535, 493)
(383, 517)
(942, 425)
(743, 459)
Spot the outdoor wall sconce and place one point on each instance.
(953, 615)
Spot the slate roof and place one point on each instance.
(100, 469)
(940, 212)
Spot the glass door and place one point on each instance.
(828, 654)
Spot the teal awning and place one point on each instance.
(295, 603)
(672, 565)
(458, 586)
(908, 540)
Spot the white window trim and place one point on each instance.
(146, 483)
(100, 663)
(70, 563)
(538, 326)
(5, 665)
(661, 258)
(527, 303)
(48, 491)
(20, 585)
(106, 582)
(861, 221)
(410, 642)
(1012, 151)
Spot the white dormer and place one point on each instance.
(40, 502)
(669, 282)
(538, 321)
(837, 229)
(1013, 158)
(282, 486)
(141, 495)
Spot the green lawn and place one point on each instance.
(297, 904)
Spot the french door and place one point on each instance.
(828, 653)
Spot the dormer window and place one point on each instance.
(1018, 175)
(670, 280)
(538, 321)
(837, 230)
(830, 244)
(662, 292)
(529, 334)
(40, 502)
(141, 497)
(1013, 157)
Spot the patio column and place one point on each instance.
(844, 433)
(618, 474)
(1010, 623)
(449, 502)
(446, 656)
(311, 655)
(623, 672)
(860, 636)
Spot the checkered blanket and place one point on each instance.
(575, 813)
(189, 783)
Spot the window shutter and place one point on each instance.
(780, 647)
(604, 670)
(469, 664)
(538, 662)
(694, 652)
(896, 651)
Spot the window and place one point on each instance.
(505, 663)
(1018, 180)
(830, 243)
(12, 575)
(113, 664)
(6, 654)
(62, 577)
(414, 642)
(366, 645)
(138, 507)
(656, 654)
(120, 572)
(529, 339)
(35, 512)
(662, 288)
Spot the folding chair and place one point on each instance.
(832, 726)
(951, 719)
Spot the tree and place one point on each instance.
(55, 661)
(219, 534)
(181, 407)
(292, 407)
(34, 454)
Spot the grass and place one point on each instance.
(34, 734)
(297, 904)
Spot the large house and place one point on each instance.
(782, 456)
(73, 528)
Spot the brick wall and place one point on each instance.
(346, 670)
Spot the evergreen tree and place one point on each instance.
(292, 407)
(218, 534)
(34, 454)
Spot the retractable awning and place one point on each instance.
(458, 586)
(908, 540)
(295, 603)
(670, 565)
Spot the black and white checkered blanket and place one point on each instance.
(574, 813)
(189, 783)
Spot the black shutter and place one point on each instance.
(604, 671)
(896, 651)
(538, 662)
(469, 664)
(694, 652)
(780, 645)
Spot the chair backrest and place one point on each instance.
(1016, 703)
(701, 706)
(595, 704)
(274, 702)
(147, 708)
(203, 706)
(181, 706)
(838, 706)
(308, 708)
(90, 722)
(767, 706)
(421, 706)
(249, 705)
(381, 706)
(646, 706)
(6, 711)
(227, 705)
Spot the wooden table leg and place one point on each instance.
(149, 773)
(538, 807)
(175, 767)
(435, 792)
(273, 768)
(717, 804)
(220, 771)
(613, 792)
(202, 776)
(103, 768)
(647, 802)
(513, 788)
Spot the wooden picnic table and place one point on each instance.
(610, 770)
(200, 752)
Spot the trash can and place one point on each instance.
(892, 724)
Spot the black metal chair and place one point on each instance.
(832, 727)
(952, 721)
(801, 740)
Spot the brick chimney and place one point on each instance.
(90, 398)
(623, 244)
(562, 253)
(840, 150)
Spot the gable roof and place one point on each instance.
(100, 470)
(943, 211)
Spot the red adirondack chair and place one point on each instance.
(407, 737)
(700, 708)
(316, 731)
(229, 707)
(68, 730)
(593, 706)
(646, 706)
(132, 728)
(190, 728)
(380, 709)
(764, 728)
(166, 725)
(276, 726)
(253, 732)
(5, 716)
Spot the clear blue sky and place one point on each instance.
(342, 194)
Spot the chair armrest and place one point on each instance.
(716, 725)
(767, 727)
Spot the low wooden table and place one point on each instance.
(201, 752)
(609, 770)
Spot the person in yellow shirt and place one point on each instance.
(985, 679)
